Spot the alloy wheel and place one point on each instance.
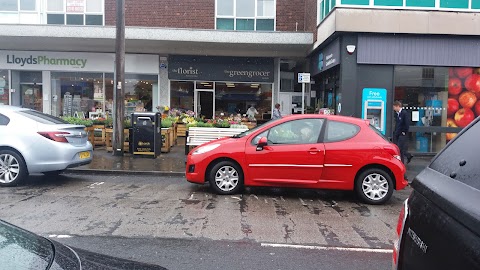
(375, 186)
(226, 178)
(9, 168)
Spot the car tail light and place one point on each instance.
(400, 225)
(57, 136)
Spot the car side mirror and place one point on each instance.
(262, 143)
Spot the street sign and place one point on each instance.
(303, 77)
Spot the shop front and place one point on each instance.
(76, 84)
(214, 87)
(436, 78)
(325, 71)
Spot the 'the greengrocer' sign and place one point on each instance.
(44, 60)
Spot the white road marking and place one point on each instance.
(237, 198)
(96, 184)
(60, 236)
(191, 197)
(369, 250)
(303, 203)
(255, 196)
(281, 197)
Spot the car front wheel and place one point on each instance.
(374, 186)
(12, 168)
(226, 178)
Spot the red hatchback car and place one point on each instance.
(302, 151)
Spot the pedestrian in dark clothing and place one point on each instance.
(400, 134)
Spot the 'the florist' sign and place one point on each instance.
(45, 60)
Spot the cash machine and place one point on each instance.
(374, 107)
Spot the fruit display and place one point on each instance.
(463, 97)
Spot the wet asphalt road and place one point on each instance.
(170, 222)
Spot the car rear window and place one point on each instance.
(4, 120)
(340, 131)
(42, 118)
(379, 133)
(459, 160)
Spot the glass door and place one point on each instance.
(31, 96)
(205, 100)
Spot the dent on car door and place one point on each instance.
(341, 153)
(292, 154)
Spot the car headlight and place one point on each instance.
(205, 149)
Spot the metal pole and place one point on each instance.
(303, 98)
(118, 96)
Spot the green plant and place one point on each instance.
(166, 123)
(77, 121)
(127, 124)
(99, 121)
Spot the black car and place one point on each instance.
(439, 225)
(20, 249)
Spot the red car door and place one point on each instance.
(292, 156)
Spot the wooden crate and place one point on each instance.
(181, 129)
(166, 140)
(108, 139)
(90, 135)
(172, 137)
(99, 140)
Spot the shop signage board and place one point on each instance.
(75, 6)
(73, 61)
(326, 58)
(303, 77)
(236, 69)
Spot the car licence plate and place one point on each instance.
(84, 155)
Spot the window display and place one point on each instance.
(76, 92)
(438, 97)
(4, 87)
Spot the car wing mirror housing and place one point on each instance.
(262, 143)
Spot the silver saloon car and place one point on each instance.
(33, 142)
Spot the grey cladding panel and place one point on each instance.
(410, 50)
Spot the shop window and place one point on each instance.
(181, 95)
(29, 18)
(76, 92)
(236, 98)
(9, 5)
(4, 87)
(139, 91)
(55, 19)
(249, 15)
(437, 97)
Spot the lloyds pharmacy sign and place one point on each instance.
(45, 60)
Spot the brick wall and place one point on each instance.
(289, 13)
(311, 17)
(198, 14)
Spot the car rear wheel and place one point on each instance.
(374, 186)
(226, 178)
(12, 168)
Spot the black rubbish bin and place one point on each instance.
(147, 138)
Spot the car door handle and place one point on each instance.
(314, 150)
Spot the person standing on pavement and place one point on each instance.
(276, 112)
(400, 134)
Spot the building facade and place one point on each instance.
(218, 57)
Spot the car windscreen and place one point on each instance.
(20, 249)
(459, 160)
(250, 131)
(42, 118)
(379, 133)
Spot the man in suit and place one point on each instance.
(400, 134)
